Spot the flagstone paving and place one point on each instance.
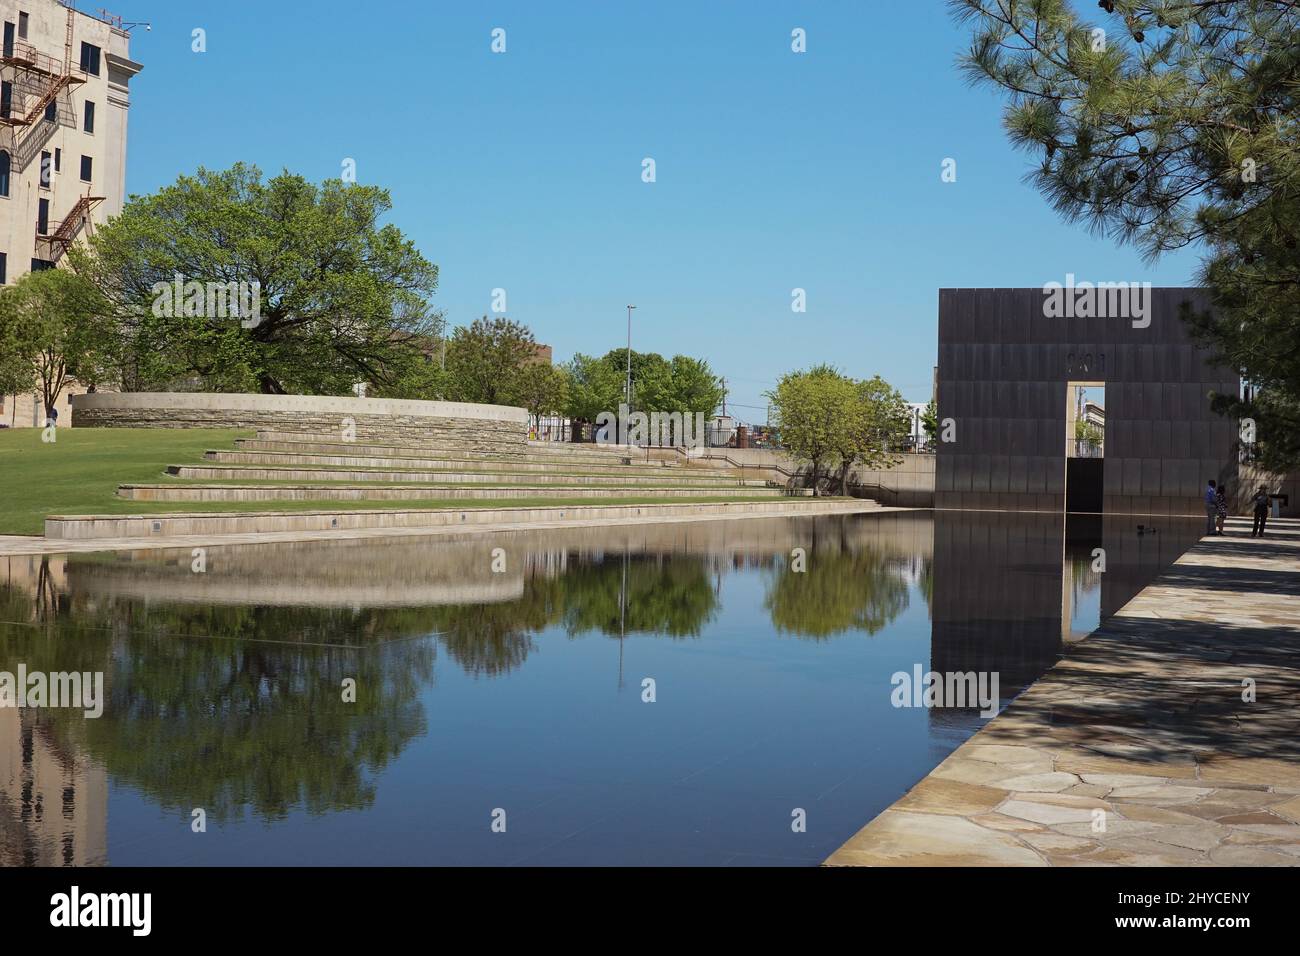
(1141, 747)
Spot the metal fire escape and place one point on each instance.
(38, 80)
(44, 77)
(55, 243)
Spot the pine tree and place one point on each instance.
(1168, 124)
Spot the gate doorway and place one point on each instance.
(1085, 447)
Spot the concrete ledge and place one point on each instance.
(162, 526)
(480, 476)
(427, 493)
(472, 427)
(332, 404)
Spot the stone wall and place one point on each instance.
(909, 484)
(454, 424)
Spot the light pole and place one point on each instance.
(629, 358)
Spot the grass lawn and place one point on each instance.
(79, 474)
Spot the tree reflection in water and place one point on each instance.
(232, 708)
(848, 585)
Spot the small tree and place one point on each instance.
(541, 388)
(817, 410)
(594, 387)
(930, 421)
(484, 360)
(52, 320)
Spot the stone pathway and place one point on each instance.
(1137, 749)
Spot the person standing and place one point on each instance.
(1211, 506)
(1221, 507)
(1261, 512)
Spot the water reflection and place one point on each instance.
(225, 686)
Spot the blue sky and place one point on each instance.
(522, 170)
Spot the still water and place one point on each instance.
(716, 693)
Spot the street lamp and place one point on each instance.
(629, 357)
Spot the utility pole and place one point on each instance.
(629, 357)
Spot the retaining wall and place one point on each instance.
(459, 424)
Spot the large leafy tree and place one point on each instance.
(51, 324)
(1175, 126)
(342, 297)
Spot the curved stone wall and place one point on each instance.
(459, 424)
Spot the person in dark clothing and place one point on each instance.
(1221, 506)
(1211, 507)
(1261, 512)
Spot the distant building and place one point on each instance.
(64, 76)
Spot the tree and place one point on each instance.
(17, 362)
(484, 360)
(816, 410)
(52, 322)
(541, 388)
(416, 377)
(879, 424)
(1177, 126)
(325, 296)
(594, 387)
(695, 388)
(930, 420)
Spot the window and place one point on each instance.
(89, 124)
(22, 25)
(6, 98)
(86, 168)
(52, 111)
(42, 217)
(40, 265)
(4, 173)
(9, 38)
(90, 59)
(46, 164)
(58, 158)
(4, 268)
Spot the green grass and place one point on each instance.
(80, 471)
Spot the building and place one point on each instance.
(64, 77)
(1009, 378)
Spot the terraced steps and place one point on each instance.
(481, 475)
(300, 468)
(414, 492)
(536, 451)
(281, 459)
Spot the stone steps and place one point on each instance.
(433, 476)
(414, 492)
(458, 456)
(539, 451)
(285, 458)
(398, 520)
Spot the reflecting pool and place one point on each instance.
(715, 693)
